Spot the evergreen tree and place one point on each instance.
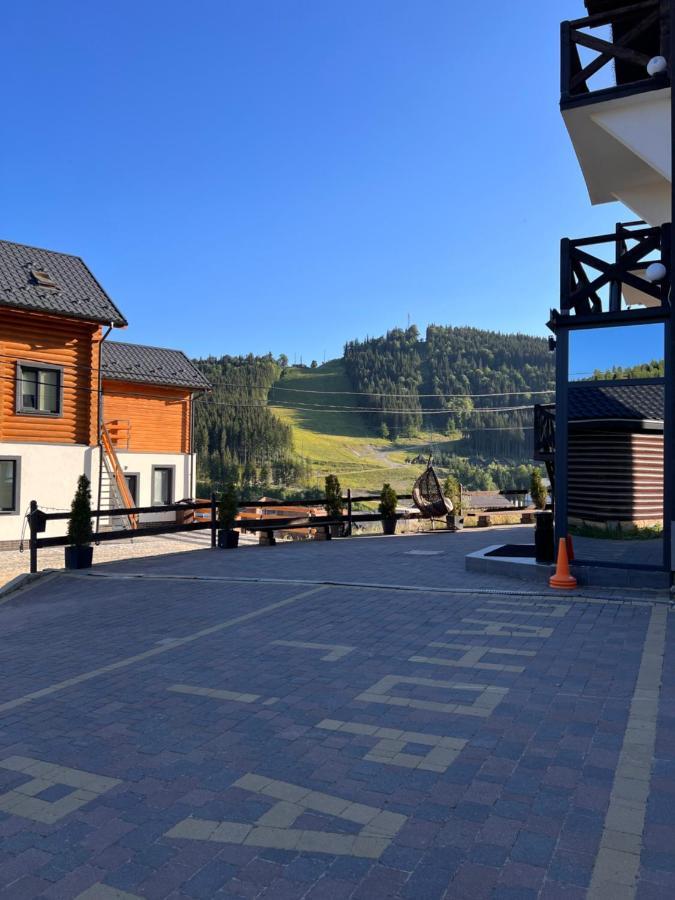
(228, 508)
(333, 496)
(538, 492)
(79, 524)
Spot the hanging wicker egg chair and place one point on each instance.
(428, 495)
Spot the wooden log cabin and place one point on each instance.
(615, 452)
(72, 402)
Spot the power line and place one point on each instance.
(83, 389)
(132, 374)
(274, 387)
(364, 409)
(440, 395)
(99, 370)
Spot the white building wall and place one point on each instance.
(143, 463)
(47, 473)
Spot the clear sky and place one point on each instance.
(284, 175)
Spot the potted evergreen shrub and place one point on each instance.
(333, 503)
(79, 552)
(453, 491)
(228, 538)
(544, 544)
(387, 507)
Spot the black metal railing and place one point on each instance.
(633, 281)
(640, 32)
(198, 515)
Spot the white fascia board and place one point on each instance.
(643, 127)
(651, 202)
(612, 167)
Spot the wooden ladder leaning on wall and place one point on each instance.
(109, 457)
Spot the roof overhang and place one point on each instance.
(623, 147)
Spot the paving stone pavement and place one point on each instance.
(162, 737)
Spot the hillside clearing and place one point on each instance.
(336, 439)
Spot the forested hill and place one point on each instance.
(419, 385)
(653, 369)
(237, 437)
(267, 426)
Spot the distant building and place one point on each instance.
(71, 402)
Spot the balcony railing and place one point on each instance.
(640, 32)
(616, 276)
(544, 431)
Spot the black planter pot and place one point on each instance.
(227, 540)
(543, 536)
(79, 557)
(455, 523)
(389, 525)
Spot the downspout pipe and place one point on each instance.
(99, 416)
(191, 492)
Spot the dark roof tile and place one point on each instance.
(615, 400)
(150, 365)
(77, 294)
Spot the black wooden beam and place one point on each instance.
(669, 351)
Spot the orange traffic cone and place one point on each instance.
(562, 577)
(570, 548)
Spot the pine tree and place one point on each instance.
(333, 497)
(538, 492)
(79, 524)
(227, 507)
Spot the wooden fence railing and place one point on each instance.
(639, 32)
(198, 515)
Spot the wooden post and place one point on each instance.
(561, 431)
(214, 520)
(349, 512)
(668, 258)
(615, 283)
(33, 536)
(565, 53)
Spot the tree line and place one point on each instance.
(453, 361)
(237, 438)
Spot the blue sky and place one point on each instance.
(284, 175)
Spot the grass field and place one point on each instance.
(341, 440)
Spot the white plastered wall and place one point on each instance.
(47, 473)
(142, 464)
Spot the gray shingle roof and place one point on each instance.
(77, 293)
(150, 365)
(616, 400)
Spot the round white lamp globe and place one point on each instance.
(655, 272)
(657, 65)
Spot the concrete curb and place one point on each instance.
(22, 582)
(589, 576)
(547, 593)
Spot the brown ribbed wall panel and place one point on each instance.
(615, 476)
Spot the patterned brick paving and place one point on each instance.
(415, 765)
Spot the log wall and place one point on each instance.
(158, 417)
(75, 345)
